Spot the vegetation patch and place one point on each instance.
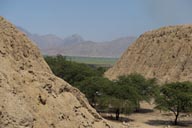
(124, 95)
(100, 61)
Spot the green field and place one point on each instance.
(93, 60)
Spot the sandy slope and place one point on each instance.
(31, 96)
(165, 54)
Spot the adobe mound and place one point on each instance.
(165, 54)
(30, 95)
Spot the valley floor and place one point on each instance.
(150, 118)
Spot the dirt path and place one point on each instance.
(149, 118)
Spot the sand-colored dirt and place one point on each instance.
(31, 96)
(150, 118)
(165, 54)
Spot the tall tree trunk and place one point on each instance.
(117, 114)
(176, 117)
(138, 106)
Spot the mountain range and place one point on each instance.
(75, 45)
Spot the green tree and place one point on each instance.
(93, 87)
(114, 105)
(175, 97)
(105, 95)
(71, 72)
(125, 94)
(120, 96)
(137, 88)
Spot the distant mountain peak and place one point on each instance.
(76, 35)
(75, 45)
(75, 38)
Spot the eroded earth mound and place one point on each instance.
(30, 95)
(165, 54)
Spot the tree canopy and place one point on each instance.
(120, 96)
(175, 97)
(71, 72)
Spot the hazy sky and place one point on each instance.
(96, 20)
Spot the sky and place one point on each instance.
(97, 20)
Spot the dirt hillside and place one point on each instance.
(30, 95)
(165, 54)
